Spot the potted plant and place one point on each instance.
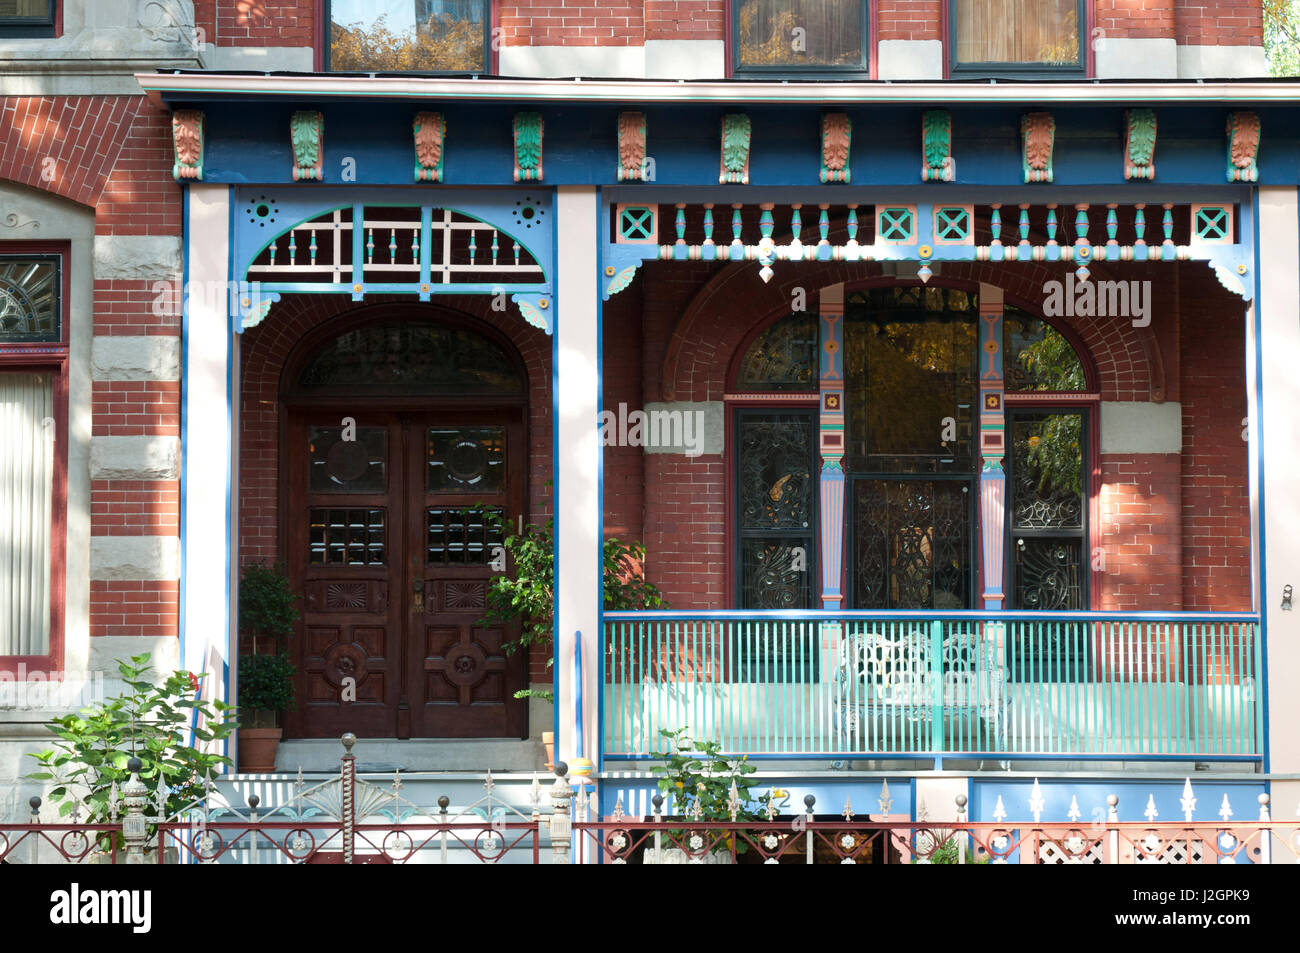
(266, 622)
(699, 780)
(528, 595)
(174, 734)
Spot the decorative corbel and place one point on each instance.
(1243, 147)
(837, 139)
(429, 130)
(936, 146)
(528, 147)
(735, 149)
(307, 135)
(1038, 132)
(1140, 144)
(187, 142)
(631, 147)
(536, 309)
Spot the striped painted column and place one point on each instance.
(831, 428)
(993, 479)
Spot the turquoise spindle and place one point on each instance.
(708, 223)
(1081, 223)
(273, 253)
(680, 222)
(370, 246)
(735, 227)
(312, 247)
(1024, 225)
(473, 247)
(1168, 251)
(1140, 226)
(392, 245)
(796, 230)
(495, 247)
(853, 224)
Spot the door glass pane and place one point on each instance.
(801, 33)
(1018, 31)
(911, 544)
(775, 574)
(1049, 573)
(1038, 357)
(347, 537)
(776, 485)
(402, 35)
(784, 357)
(910, 362)
(463, 537)
(26, 509)
(1047, 463)
(466, 459)
(358, 465)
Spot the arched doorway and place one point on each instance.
(405, 465)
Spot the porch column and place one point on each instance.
(832, 443)
(992, 430)
(1277, 341)
(207, 617)
(576, 409)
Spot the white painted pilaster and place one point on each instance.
(1279, 342)
(577, 470)
(207, 506)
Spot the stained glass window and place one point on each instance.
(782, 358)
(468, 459)
(413, 358)
(29, 299)
(347, 537)
(463, 537)
(355, 465)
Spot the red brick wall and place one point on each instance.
(1219, 22)
(622, 379)
(1216, 499)
(571, 23)
(685, 20)
(1135, 19)
(143, 608)
(257, 22)
(908, 20)
(1140, 535)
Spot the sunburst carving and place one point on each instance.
(466, 595)
(345, 595)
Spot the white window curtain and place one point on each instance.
(27, 433)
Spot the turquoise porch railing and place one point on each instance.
(856, 684)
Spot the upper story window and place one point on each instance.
(799, 37)
(33, 18)
(1016, 37)
(426, 36)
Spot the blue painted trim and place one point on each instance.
(602, 232)
(232, 373)
(555, 488)
(182, 633)
(817, 615)
(911, 797)
(986, 755)
(577, 688)
(1259, 467)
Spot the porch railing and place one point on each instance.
(852, 684)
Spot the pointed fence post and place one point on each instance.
(561, 822)
(443, 802)
(1265, 833)
(348, 788)
(1112, 836)
(961, 828)
(253, 801)
(134, 831)
(34, 847)
(808, 803)
(657, 810)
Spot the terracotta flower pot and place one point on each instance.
(257, 747)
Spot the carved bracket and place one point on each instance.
(537, 310)
(306, 135)
(837, 139)
(1243, 147)
(253, 305)
(734, 167)
(528, 147)
(620, 266)
(1140, 144)
(187, 144)
(1038, 133)
(429, 130)
(631, 147)
(936, 146)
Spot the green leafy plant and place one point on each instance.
(528, 595)
(696, 772)
(946, 853)
(151, 721)
(266, 611)
(265, 684)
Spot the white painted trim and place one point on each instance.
(1217, 62)
(577, 463)
(566, 61)
(685, 59)
(1279, 309)
(280, 58)
(207, 451)
(663, 91)
(909, 59)
(1136, 58)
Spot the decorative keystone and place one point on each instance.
(936, 146)
(528, 147)
(631, 147)
(1140, 144)
(1243, 147)
(187, 143)
(429, 130)
(735, 149)
(1038, 132)
(837, 139)
(306, 135)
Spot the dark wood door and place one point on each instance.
(392, 552)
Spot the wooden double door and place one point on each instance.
(395, 524)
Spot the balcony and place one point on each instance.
(1010, 685)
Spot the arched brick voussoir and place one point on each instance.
(713, 325)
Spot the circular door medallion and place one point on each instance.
(465, 665)
(346, 461)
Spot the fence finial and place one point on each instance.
(1225, 809)
(1188, 801)
(1112, 801)
(1151, 813)
(1074, 813)
(1036, 801)
(886, 802)
(1263, 807)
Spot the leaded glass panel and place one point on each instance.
(463, 537)
(356, 465)
(776, 479)
(911, 544)
(466, 459)
(29, 299)
(346, 537)
(782, 358)
(1047, 464)
(412, 358)
(1049, 573)
(775, 574)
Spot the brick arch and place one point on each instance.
(705, 340)
(266, 349)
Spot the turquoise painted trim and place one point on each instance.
(602, 231)
(1259, 469)
(907, 615)
(181, 628)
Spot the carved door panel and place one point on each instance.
(467, 477)
(392, 554)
